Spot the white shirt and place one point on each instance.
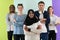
(10, 23)
(41, 15)
(11, 17)
(52, 22)
(44, 29)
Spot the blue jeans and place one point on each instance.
(44, 36)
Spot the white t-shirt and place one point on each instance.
(53, 20)
(44, 29)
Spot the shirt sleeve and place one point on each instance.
(57, 19)
(39, 23)
(7, 20)
(20, 23)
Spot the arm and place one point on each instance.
(15, 21)
(8, 20)
(47, 21)
(39, 27)
(21, 22)
(25, 28)
(47, 18)
(42, 20)
(37, 30)
(57, 22)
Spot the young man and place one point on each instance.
(18, 23)
(44, 18)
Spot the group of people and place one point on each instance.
(35, 25)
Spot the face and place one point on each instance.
(41, 6)
(12, 9)
(20, 8)
(51, 10)
(31, 14)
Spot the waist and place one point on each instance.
(18, 25)
(52, 31)
(52, 25)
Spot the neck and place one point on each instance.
(20, 13)
(41, 10)
(51, 14)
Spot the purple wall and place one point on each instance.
(56, 6)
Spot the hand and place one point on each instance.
(57, 24)
(29, 29)
(50, 24)
(42, 20)
(26, 29)
(39, 27)
(14, 20)
(12, 28)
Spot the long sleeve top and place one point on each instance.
(9, 21)
(18, 25)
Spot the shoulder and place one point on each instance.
(45, 12)
(7, 14)
(55, 16)
(15, 15)
(16, 12)
(38, 23)
(36, 11)
(24, 15)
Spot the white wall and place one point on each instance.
(31, 4)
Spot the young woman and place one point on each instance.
(32, 26)
(19, 19)
(9, 20)
(52, 25)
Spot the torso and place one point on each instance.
(52, 22)
(11, 26)
(18, 29)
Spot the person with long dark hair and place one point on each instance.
(52, 24)
(32, 26)
(9, 20)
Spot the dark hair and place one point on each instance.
(41, 2)
(49, 8)
(30, 21)
(20, 5)
(12, 7)
(31, 10)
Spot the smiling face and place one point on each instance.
(31, 14)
